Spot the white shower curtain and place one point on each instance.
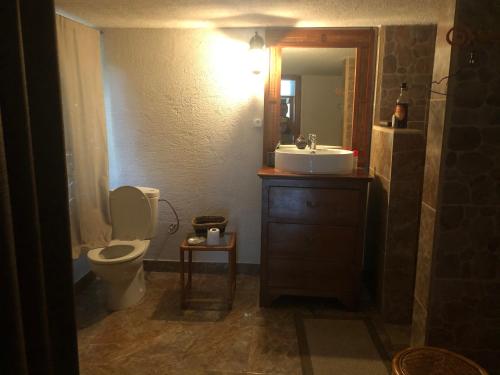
(85, 134)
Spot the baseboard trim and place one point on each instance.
(84, 282)
(199, 267)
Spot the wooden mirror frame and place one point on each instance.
(363, 39)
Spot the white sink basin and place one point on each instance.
(323, 160)
(319, 147)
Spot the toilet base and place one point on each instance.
(121, 295)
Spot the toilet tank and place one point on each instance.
(153, 196)
(134, 212)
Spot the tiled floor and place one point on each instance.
(157, 337)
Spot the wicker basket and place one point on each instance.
(427, 360)
(202, 224)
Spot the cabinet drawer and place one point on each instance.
(314, 275)
(315, 205)
(336, 244)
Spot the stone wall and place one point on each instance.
(434, 141)
(406, 55)
(460, 242)
(397, 164)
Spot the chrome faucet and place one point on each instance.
(312, 139)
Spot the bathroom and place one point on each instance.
(185, 114)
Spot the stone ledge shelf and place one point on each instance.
(390, 129)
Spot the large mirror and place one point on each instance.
(320, 82)
(316, 94)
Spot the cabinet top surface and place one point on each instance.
(269, 172)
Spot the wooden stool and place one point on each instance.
(427, 360)
(227, 244)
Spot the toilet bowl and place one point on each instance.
(134, 214)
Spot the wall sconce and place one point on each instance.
(257, 53)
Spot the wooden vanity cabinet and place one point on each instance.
(313, 230)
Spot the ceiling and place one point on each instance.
(249, 13)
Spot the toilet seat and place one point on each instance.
(118, 252)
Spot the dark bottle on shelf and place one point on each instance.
(400, 116)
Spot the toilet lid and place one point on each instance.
(130, 213)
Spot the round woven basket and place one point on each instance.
(428, 360)
(202, 224)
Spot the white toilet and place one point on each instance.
(134, 215)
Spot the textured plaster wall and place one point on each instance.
(180, 110)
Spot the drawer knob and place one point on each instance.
(312, 204)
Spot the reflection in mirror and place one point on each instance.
(317, 94)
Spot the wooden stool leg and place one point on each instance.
(231, 255)
(182, 279)
(229, 277)
(234, 270)
(190, 270)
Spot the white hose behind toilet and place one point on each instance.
(134, 215)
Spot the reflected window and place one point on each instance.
(287, 87)
(290, 108)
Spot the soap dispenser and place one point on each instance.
(301, 142)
